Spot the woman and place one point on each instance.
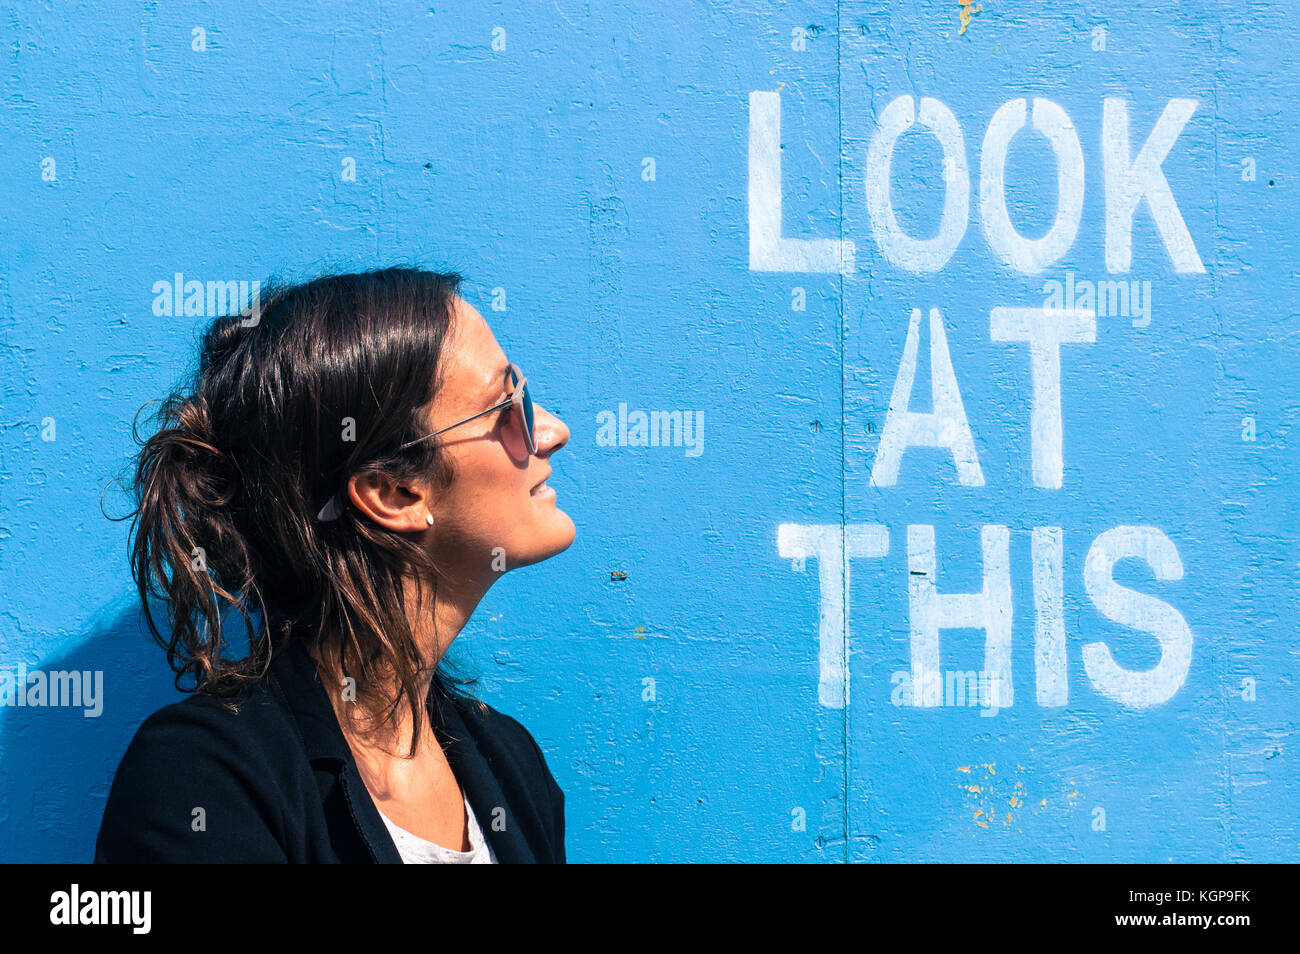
(354, 467)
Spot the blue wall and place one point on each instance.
(698, 208)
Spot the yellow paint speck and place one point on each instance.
(966, 12)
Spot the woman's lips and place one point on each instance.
(542, 491)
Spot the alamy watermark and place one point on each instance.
(651, 429)
(53, 688)
(960, 687)
(178, 297)
(129, 908)
(1113, 298)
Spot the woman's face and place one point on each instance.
(499, 512)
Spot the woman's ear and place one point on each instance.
(395, 504)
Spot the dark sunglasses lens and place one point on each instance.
(527, 404)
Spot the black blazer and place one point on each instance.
(276, 781)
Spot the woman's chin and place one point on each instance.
(554, 534)
(561, 532)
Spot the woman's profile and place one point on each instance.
(317, 517)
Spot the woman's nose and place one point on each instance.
(551, 432)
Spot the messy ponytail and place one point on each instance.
(332, 379)
(188, 553)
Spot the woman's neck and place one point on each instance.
(436, 619)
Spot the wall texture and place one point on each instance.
(966, 528)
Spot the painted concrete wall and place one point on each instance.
(983, 542)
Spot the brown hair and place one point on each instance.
(330, 380)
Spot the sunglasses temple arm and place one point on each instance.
(426, 437)
(503, 404)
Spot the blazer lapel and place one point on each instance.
(498, 822)
(324, 741)
(366, 817)
(335, 768)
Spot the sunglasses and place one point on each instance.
(519, 399)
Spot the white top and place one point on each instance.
(417, 851)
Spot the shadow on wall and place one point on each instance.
(57, 763)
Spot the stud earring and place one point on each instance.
(428, 518)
